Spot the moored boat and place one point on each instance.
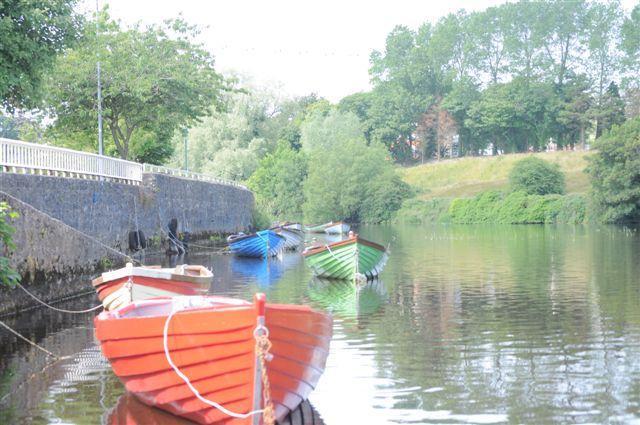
(120, 287)
(318, 228)
(265, 243)
(353, 258)
(338, 228)
(295, 226)
(200, 357)
(293, 238)
(332, 228)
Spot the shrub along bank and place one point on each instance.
(498, 208)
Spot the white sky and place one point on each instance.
(301, 46)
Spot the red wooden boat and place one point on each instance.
(211, 342)
(120, 287)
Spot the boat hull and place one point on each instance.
(353, 258)
(262, 244)
(293, 238)
(338, 229)
(120, 287)
(294, 226)
(212, 343)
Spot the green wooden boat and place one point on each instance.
(353, 258)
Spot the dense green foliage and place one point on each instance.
(155, 80)
(518, 208)
(535, 176)
(419, 211)
(510, 77)
(348, 179)
(8, 276)
(278, 182)
(615, 173)
(31, 34)
(494, 207)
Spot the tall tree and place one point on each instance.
(610, 111)
(523, 40)
(32, 33)
(630, 45)
(155, 80)
(563, 31)
(575, 112)
(489, 30)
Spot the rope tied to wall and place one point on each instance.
(61, 310)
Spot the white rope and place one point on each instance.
(4, 325)
(191, 387)
(59, 309)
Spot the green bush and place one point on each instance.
(418, 211)
(518, 208)
(535, 176)
(8, 276)
(615, 173)
(384, 196)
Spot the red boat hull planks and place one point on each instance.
(130, 411)
(214, 346)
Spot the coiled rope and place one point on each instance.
(262, 350)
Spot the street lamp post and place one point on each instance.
(185, 134)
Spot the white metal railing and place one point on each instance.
(19, 156)
(15, 154)
(149, 168)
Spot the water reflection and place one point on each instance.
(264, 272)
(129, 411)
(346, 300)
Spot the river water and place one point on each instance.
(468, 324)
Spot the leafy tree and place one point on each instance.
(513, 116)
(523, 38)
(406, 82)
(320, 131)
(278, 182)
(615, 173)
(535, 176)
(489, 31)
(575, 112)
(349, 179)
(610, 111)
(604, 22)
(8, 127)
(562, 30)
(33, 32)
(458, 101)
(452, 47)
(155, 80)
(630, 45)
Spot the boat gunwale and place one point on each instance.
(312, 250)
(153, 272)
(251, 235)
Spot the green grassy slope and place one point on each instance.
(467, 177)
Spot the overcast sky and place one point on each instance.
(303, 46)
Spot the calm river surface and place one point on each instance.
(469, 324)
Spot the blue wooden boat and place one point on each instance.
(265, 243)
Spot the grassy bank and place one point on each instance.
(476, 190)
(466, 177)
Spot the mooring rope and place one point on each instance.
(24, 338)
(59, 309)
(195, 392)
